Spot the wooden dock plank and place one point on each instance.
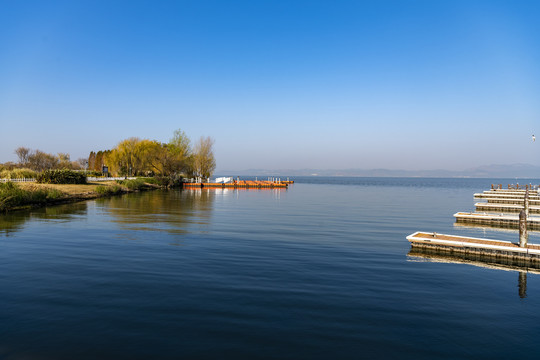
(513, 201)
(489, 247)
(505, 196)
(496, 220)
(512, 208)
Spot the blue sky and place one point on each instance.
(277, 84)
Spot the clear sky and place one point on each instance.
(279, 83)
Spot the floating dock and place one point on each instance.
(505, 208)
(515, 201)
(514, 187)
(502, 202)
(241, 184)
(421, 255)
(496, 220)
(469, 245)
(499, 207)
(502, 195)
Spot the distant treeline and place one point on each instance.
(133, 157)
(38, 160)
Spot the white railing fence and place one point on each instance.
(18, 180)
(110, 178)
(87, 179)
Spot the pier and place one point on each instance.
(530, 253)
(496, 220)
(240, 184)
(480, 260)
(504, 195)
(500, 207)
(504, 204)
(505, 208)
(510, 200)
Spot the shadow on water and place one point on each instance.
(488, 262)
(172, 211)
(12, 222)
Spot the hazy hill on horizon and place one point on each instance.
(485, 171)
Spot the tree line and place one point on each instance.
(134, 157)
(38, 160)
(143, 157)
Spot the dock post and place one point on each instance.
(523, 229)
(526, 202)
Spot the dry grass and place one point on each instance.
(70, 189)
(29, 195)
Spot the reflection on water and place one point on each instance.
(522, 267)
(161, 210)
(15, 221)
(168, 210)
(502, 227)
(522, 284)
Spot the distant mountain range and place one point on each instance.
(487, 171)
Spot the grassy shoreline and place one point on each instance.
(24, 196)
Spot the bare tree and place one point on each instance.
(40, 161)
(204, 162)
(64, 161)
(63, 157)
(23, 153)
(83, 162)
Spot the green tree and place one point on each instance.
(178, 155)
(125, 157)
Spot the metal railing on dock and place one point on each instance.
(515, 187)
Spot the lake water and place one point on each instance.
(318, 271)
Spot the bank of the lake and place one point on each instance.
(23, 196)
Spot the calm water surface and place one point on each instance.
(317, 271)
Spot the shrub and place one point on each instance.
(151, 180)
(92, 173)
(53, 194)
(12, 196)
(165, 181)
(64, 176)
(18, 174)
(135, 184)
(108, 190)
